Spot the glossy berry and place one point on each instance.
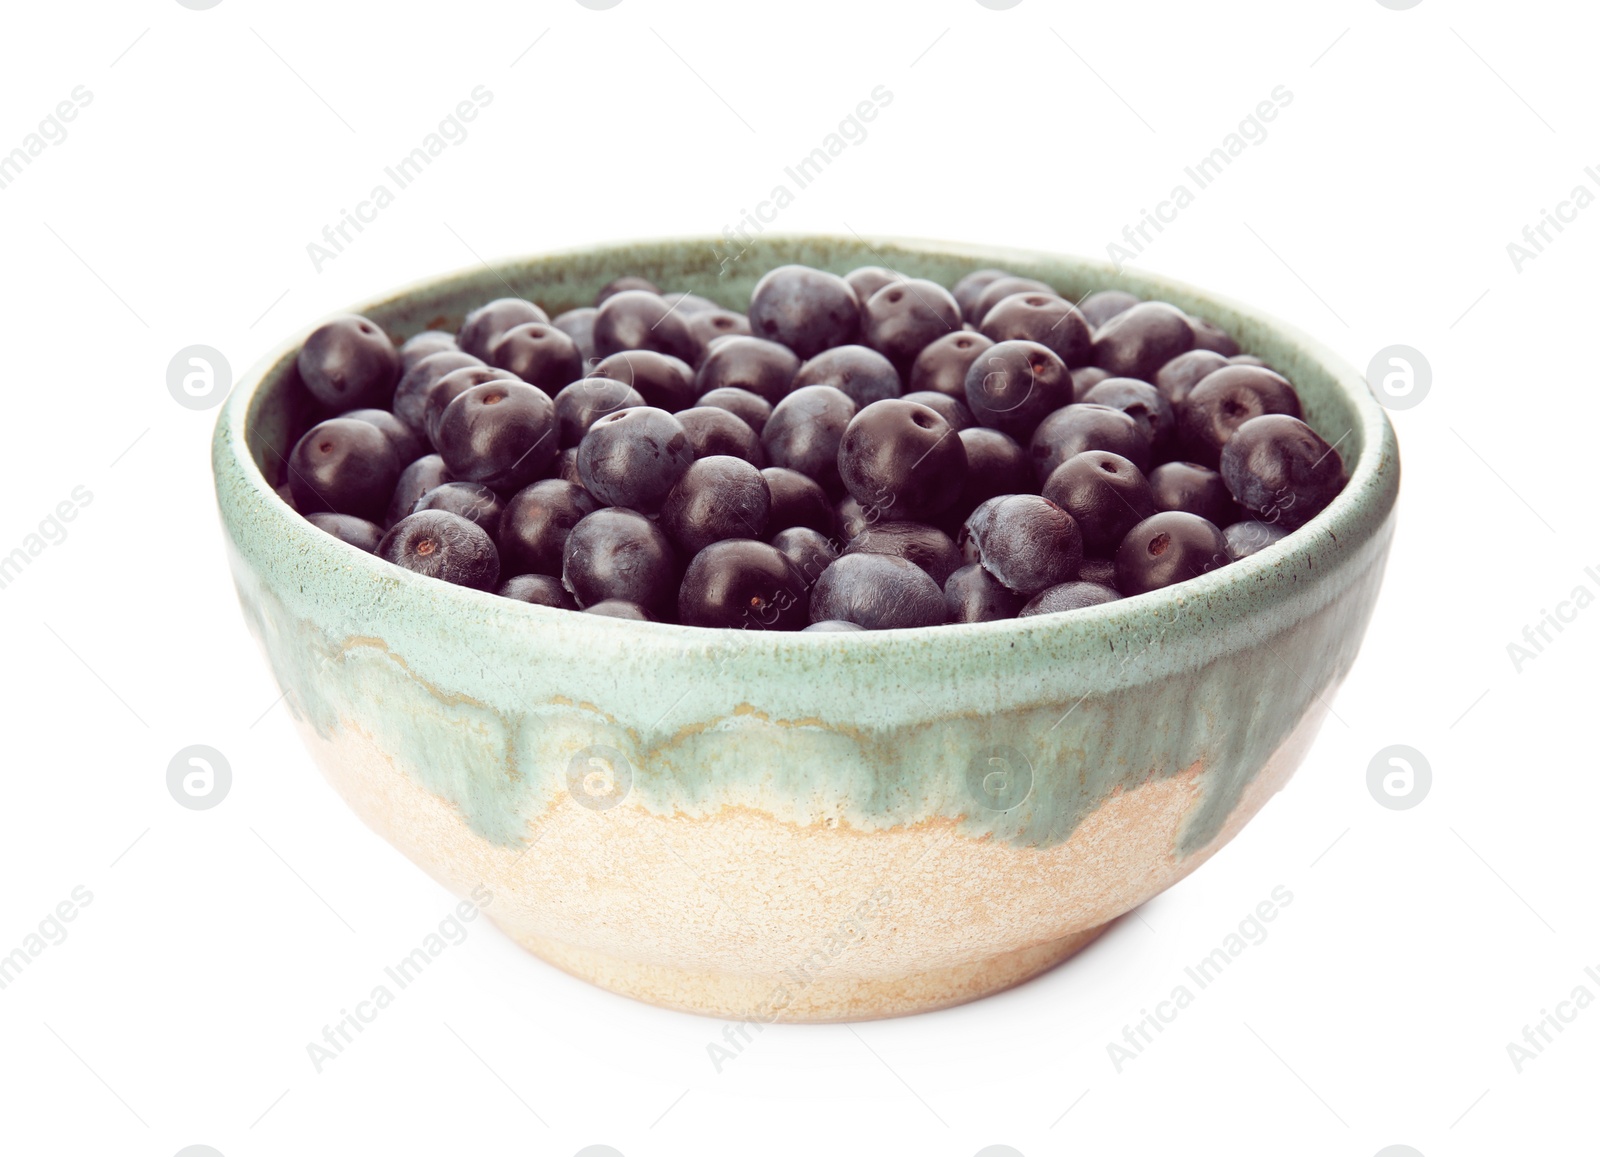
(535, 524)
(1098, 570)
(425, 344)
(1141, 339)
(804, 433)
(578, 324)
(868, 279)
(796, 501)
(851, 519)
(639, 320)
(1184, 372)
(1086, 378)
(952, 410)
(444, 546)
(1209, 335)
(450, 387)
(1281, 469)
(1099, 308)
(713, 430)
(902, 458)
(1223, 401)
(623, 285)
(973, 595)
(688, 304)
(1105, 494)
(1028, 543)
(1070, 596)
(1144, 404)
(763, 367)
(1014, 384)
(862, 374)
(718, 497)
(1073, 429)
(484, 325)
(998, 290)
(878, 592)
(903, 317)
(1249, 537)
(620, 554)
(1194, 489)
(411, 395)
(620, 609)
(539, 354)
(811, 551)
(579, 404)
(502, 434)
(942, 365)
(415, 480)
(471, 500)
(752, 409)
(709, 329)
(349, 363)
(970, 287)
(1168, 548)
(927, 546)
(541, 589)
(665, 382)
(996, 464)
(345, 466)
(634, 458)
(566, 467)
(1045, 318)
(743, 584)
(358, 532)
(805, 309)
(408, 444)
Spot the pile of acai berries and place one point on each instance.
(870, 451)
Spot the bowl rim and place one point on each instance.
(1354, 516)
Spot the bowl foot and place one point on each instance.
(798, 997)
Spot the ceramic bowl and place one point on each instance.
(805, 827)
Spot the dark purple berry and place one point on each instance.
(638, 320)
(485, 324)
(1068, 597)
(708, 330)
(535, 524)
(1193, 489)
(1223, 401)
(1051, 321)
(1281, 469)
(540, 589)
(1014, 384)
(797, 501)
(502, 434)
(1028, 543)
(620, 554)
(1099, 308)
(424, 344)
(1105, 494)
(1073, 429)
(1141, 339)
(862, 374)
(902, 458)
(903, 317)
(566, 467)
(408, 444)
(1208, 335)
(578, 324)
(718, 497)
(415, 480)
(996, 464)
(1168, 548)
(1184, 372)
(973, 595)
(967, 290)
(752, 409)
(713, 430)
(952, 410)
(539, 354)
(450, 387)
(942, 365)
(1098, 570)
(349, 363)
(868, 279)
(805, 309)
(444, 546)
(686, 303)
(763, 367)
(471, 500)
(579, 404)
(927, 546)
(1143, 403)
(804, 433)
(634, 458)
(998, 290)
(665, 382)
(624, 285)
(358, 532)
(878, 592)
(1086, 378)
(345, 466)
(411, 395)
(1249, 537)
(851, 519)
(811, 551)
(745, 585)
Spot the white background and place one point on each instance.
(1378, 210)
